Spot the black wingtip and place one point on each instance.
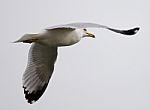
(132, 31)
(35, 95)
(126, 32)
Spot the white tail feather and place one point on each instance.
(27, 38)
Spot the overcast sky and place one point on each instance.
(111, 72)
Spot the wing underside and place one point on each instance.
(40, 67)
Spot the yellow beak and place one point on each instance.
(90, 35)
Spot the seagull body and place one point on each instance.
(43, 53)
(60, 37)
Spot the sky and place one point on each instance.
(110, 72)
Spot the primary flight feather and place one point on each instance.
(43, 53)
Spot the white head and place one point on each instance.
(87, 34)
(82, 32)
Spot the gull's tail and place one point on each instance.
(28, 38)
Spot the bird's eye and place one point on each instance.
(85, 29)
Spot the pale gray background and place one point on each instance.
(110, 72)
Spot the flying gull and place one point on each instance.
(43, 53)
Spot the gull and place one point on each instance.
(43, 53)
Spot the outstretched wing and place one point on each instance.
(94, 25)
(39, 70)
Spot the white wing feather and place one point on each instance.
(39, 70)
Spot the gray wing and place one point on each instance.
(94, 25)
(40, 67)
(77, 25)
(86, 25)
